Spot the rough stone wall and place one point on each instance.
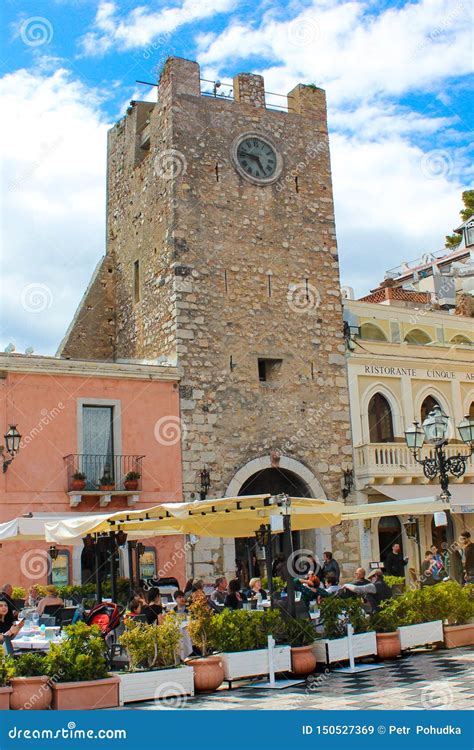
(92, 332)
(260, 279)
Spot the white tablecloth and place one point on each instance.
(33, 644)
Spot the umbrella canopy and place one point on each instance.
(397, 507)
(28, 528)
(229, 517)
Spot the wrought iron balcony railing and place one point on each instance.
(102, 473)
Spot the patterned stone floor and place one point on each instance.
(421, 680)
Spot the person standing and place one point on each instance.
(394, 564)
(468, 552)
(330, 566)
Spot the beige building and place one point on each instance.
(405, 356)
(222, 259)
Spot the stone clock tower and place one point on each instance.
(221, 255)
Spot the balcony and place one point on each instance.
(393, 463)
(103, 477)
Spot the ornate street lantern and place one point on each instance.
(12, 445)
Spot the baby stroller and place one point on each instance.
(107, 616)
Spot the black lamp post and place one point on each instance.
(263, 536)
(412, 529)
(434, 431)
(12, 445)
(205, 483)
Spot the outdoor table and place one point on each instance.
(33, 643)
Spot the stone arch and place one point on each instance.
(372, 332)
(417, 336)
(265, 462)
(430, 390)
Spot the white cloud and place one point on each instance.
(142, 26)
(53, 155)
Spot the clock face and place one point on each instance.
(256, 158)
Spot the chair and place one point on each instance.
(65, 616)
(53, 610)
(19, 604)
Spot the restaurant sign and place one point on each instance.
(412, 372)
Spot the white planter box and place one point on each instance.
(333, 650)
(242, 664)
(161, 683)
(422, 634)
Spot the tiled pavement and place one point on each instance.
(421, 680)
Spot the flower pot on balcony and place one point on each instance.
(388, 645)
(459, 635)
(106, 487)
(303, 660)
(5, 693)
(131, 484)
(30, 693)
(78, 484)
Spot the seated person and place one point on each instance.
(219, 594)
(332, 587)
(33, 597)
(195, 587)
(375, 591)
(154, 608)
(235, 597)
(310, 588)
(50, 599)
(8, 625)
(7, 594)
(142, 596)
(255, 589)
(134, 607)
(181, 606)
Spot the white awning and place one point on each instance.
(461, 494)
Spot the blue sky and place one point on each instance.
(397, 76)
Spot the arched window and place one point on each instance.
(417, 336)
(460, 339)
(471, 410)
(428, 405)
(380, 420)
(372, 332)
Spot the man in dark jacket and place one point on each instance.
(394, 564)
(468, 556)
(374, 592)
(330, 566)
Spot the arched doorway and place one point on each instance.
(102, 548)
(380, 420)
(249, 557)
(439, 533)
(390, 533)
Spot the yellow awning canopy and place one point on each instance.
(224, 517)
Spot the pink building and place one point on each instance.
(99, 420)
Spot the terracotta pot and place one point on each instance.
(78, 484)
(459, 635)
(30, 693)
(303, 660)
(208, 673)
(85, 696)
(131, 484)
(388, 645)
(106, 487)
(5, 693)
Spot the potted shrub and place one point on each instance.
(385, 623)
(6, 673)
(78, 670)
(208, 669)
(130, 481)
(457, 610)
(78, 481)
(300, 634)
(106, 483)
(30, 683)
(154, 669)
(418, 616)
(242, 638)
(333, 646)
